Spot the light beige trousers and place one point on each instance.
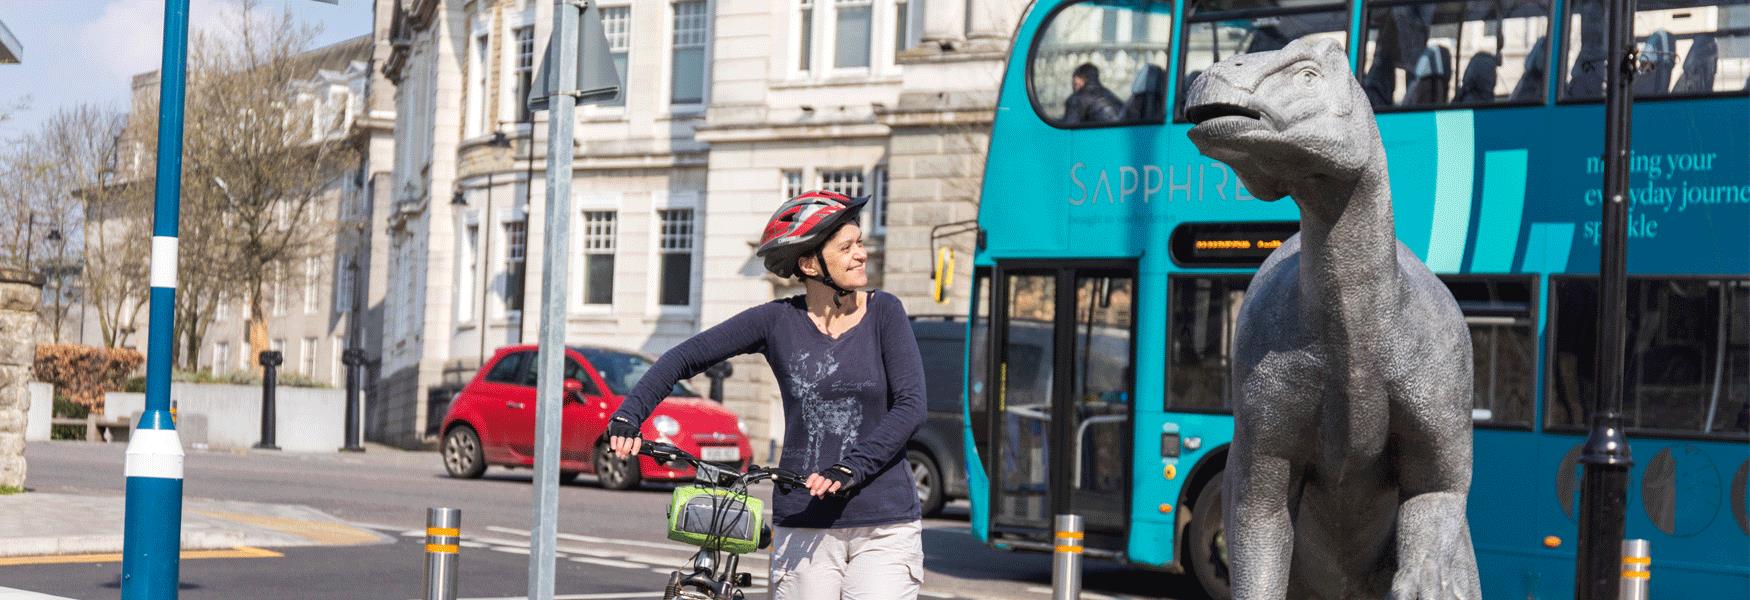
(885, 562)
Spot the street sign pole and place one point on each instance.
(551, 358)
(151, 538)
(1604, 486)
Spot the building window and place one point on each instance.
(676, 246)
(902, 30)
(805, 35)
(336, 369)
(278, 345)
(307, 357)
(525, 72)
(222, 311)
(598, 257)
(878, 202)
(477, 72)
(792, 183)
(470, 271)
(849, 182)
(343, 286)
(221, 357)
(855, 25)
(617, 24)
(690, 38)
(312, 283)
(515, 255)
(279, 291)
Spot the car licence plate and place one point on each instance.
(720, 453)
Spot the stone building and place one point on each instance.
(729, 107)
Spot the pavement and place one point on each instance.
(44, 524)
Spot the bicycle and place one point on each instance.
(716, 514)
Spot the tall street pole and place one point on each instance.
(151, 539)
(1604, 487)
(555, 268)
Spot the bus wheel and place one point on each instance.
(1208, 543)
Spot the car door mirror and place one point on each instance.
(574, 390)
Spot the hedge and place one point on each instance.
(83, 373)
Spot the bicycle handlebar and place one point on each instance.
(721, 474)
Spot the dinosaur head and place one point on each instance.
(1285, 119)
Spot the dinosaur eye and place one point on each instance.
(1307, 76)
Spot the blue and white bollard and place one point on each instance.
(152, 540)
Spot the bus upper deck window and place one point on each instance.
(1436, 53)
(1102, 63)
(1217, 29)
(1694, 47)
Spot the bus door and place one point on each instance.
(1062, 416)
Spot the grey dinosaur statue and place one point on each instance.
(1352, 435)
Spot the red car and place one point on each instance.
(492, 420)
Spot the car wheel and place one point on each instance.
(1207, 539)
(616, 473)
(463, 457)
(927, 479)
(566, 477)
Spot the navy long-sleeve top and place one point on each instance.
(853, 400)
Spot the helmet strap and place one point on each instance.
(826, 278)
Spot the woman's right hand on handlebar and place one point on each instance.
(623, 437)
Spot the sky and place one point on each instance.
(89, 50)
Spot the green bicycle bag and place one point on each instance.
(740, 518)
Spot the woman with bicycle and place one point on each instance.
(852, 383)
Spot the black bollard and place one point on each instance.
(270, 362)
(354, 359)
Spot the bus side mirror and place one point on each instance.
(942, 275)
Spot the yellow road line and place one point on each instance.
(327, 533)
(62, 559)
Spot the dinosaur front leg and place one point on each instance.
(1435, 558)
(1260, 534)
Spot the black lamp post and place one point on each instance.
(354, 358)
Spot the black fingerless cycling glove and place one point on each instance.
(622, 427)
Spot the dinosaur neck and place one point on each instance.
(1349, 286)
(1348, 269)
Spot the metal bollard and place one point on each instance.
(270, 362)
(443, 536)
(1637, 569)
(1066, 559)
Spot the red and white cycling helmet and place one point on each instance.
(801, 225)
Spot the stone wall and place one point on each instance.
(19, 294)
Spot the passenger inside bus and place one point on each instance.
(1147, 95)
(1478, 83)
(1530, 87)
(1659, 56)
(1699, 67)
(1089, 101)
(1431, 78)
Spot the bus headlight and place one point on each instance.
(666, 425)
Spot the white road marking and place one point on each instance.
(606, 562)
(509, 550)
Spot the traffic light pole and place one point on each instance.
(1604, 487)
(151, 538)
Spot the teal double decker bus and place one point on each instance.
(1113, 259)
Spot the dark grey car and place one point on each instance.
(937, 453)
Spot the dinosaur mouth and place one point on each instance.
(1202, 113)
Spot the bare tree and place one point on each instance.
(79, 144)
(258, 169)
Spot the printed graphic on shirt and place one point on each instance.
(830, 413)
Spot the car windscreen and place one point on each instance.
(622, 370)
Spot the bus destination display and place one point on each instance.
(1229, 244)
